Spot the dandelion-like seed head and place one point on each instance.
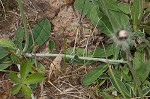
(123, 39)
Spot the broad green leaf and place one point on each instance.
(116, 20)
(34, 78)
(105, 26)
(19, 37)
(4, 66)
(138, 60)
(15, 89)
(25, 68)
(95, 15)
(124, 7)
(94, 74)
(110, 4)
(144, 71)
(142, 68)
(26, 91)
(51, 45)
(136, 11)
(7, 43)
(99, 52)
(125, 21)
(3, 53)
(121, 85)
(113, 16)
(41, 32)
(13, 76)
(84, 6)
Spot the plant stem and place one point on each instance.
(71, 56)
(136, 79)
(25, 25)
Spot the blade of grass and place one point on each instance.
(25, 25)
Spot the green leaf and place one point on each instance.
(41, 32)
(125, 21)
(13, 76)
(95, 15)
(14, 59)
(110, 4)
(84, 6)
(145, 91)
(7, 43)
(137, 61)
(3, 53)
(99, 52)
(26, 66)
(124, 7)
(19, 37)
(120, 83)
(26, 91)
(142, 68)
(4, 66)
(131, 87)
(125, 69)
(41, 68)
(106, 95)
(94, 74)
(136, 11)
(105, 26)
(116, 19)
(51, 45)
(144, 71)
(34, 78)
(15, 89)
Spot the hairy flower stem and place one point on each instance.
(135, 78)
(25, 25)
(72, 56)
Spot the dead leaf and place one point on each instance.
(55, 67)
(3, 96)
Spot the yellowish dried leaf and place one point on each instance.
(55, 67)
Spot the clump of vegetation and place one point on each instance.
(125, 62)
(126, 24)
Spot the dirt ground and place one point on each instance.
(67, 24)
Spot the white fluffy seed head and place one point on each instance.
(122, 39)
(123, 33)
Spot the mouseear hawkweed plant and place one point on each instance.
(128, 25)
